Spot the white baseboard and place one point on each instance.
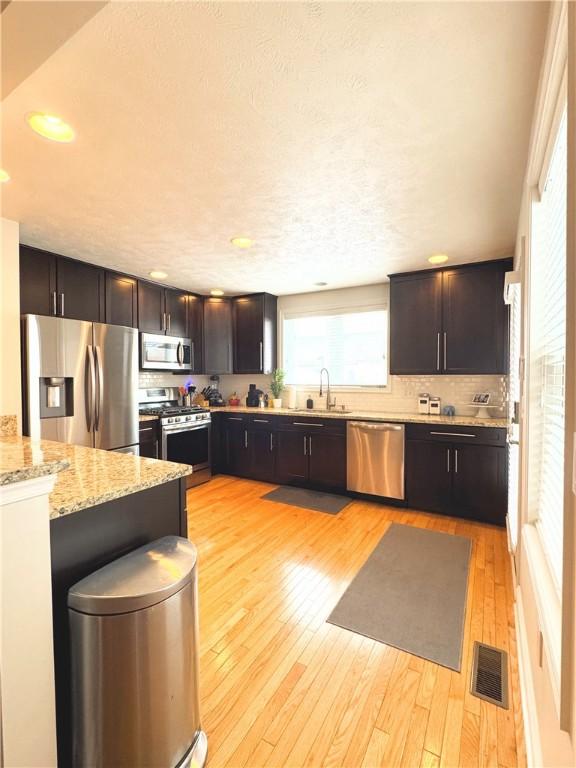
(527, 694)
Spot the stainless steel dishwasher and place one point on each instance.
(375, 462)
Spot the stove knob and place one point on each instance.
(187, 418)
(170, 421)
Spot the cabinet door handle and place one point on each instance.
(54, 304)
(193, 356)
(261, 357)
(310, 446)
(453, 434)
(456, 460)
(448, 460)
(245, 438)
(438, 352)
(261, 421)
(230, 356)
(146, 429)
(271, 441)
(62, 305)
(169, 322)
(445, 344)
(163, 321)
(234, 418)
(305, 424)
(305, 445)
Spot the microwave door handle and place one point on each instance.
(90, 387)
(99, 388)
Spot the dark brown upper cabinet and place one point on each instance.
(475, 320)
(254, 319)
(162, 310)
(121, 300)
(61, 287)
(416, 323)
(217, 336)
(196, 331)
(450, 321)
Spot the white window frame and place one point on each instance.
(546, 595)
(337, 310)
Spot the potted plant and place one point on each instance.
(277, 385)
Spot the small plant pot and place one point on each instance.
(276, 402)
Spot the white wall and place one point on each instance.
(10, 398)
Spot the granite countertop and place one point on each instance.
(86, 476)
(405, 418)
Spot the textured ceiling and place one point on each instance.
(350, 140)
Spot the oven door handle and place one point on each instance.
(171, 431)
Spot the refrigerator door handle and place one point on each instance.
(90, 387)
(99, 389)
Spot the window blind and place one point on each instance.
(352, 345)
(547, 353)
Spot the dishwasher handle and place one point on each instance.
(376, 427)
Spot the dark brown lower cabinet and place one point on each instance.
(428, 478)
(262, 448)
(480, 483)
(311, 458)
(148, 439)
(250, 447)
(459, 479)
(292, 459)
(327, 461)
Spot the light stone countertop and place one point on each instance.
(86, 476)
(143, 417)
(404, 418)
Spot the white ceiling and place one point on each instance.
(350, 140)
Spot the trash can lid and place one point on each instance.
(141, 578)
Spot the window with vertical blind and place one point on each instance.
(352, 345)
(547, 357)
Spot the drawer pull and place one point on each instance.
(454, 434)
(146, 429)
(234, 418)
(261, 421)
(305, 424)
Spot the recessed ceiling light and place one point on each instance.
(217, 292)
(242, 242)
(51, 127)
(157, 274)
(438, 258)
(320, 284)
(4, 176)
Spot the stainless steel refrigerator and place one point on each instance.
(81, 382)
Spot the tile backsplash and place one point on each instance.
(401, 397)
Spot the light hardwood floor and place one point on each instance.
(281, 687)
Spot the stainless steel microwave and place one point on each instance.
(164, 353)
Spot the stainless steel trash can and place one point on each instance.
(134, 646)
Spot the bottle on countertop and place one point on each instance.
(309, 403)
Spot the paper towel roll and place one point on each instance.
(291, 397)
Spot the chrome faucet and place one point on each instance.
(329, 403)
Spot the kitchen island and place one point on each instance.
(103, 505)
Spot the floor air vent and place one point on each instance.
(490, 674)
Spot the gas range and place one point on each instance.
(163, 402)
(180, 415)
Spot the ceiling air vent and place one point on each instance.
(490, 674)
